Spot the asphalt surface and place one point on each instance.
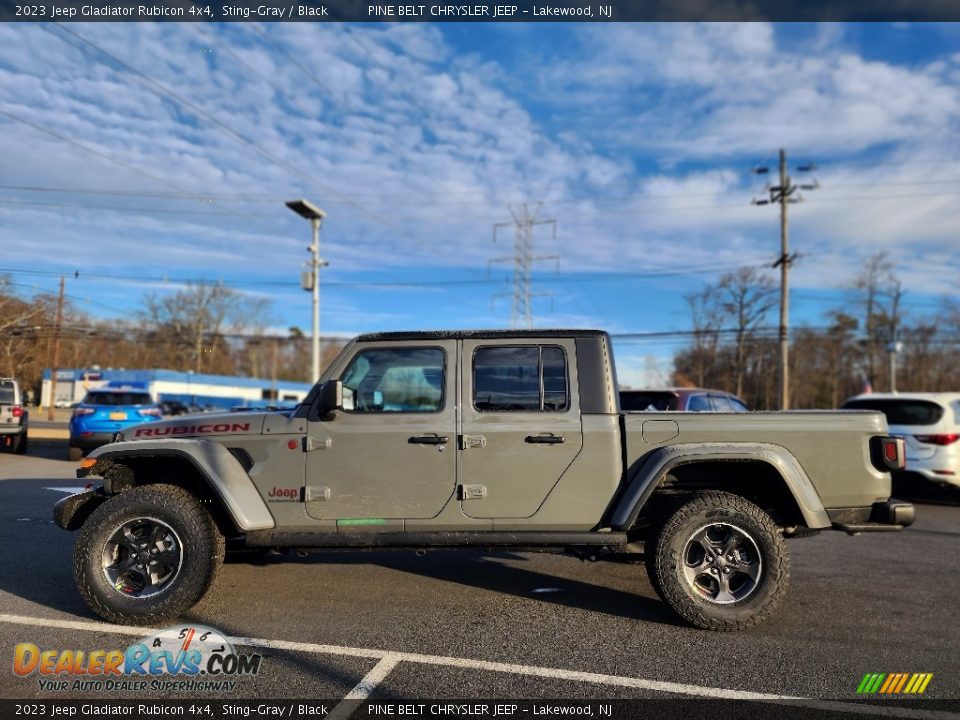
(498, 625)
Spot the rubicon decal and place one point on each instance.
(894, 683)
(157, 662)
(218, 428)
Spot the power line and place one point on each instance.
(160, 89)
(246, 281)
(92, 151)
(136, 210)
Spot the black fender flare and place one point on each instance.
(656, 465)
(215, 464)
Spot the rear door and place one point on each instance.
(520, 425)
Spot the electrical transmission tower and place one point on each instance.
(524, 222)
(784, 194)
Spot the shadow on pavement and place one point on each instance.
(490, 571)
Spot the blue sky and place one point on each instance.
(158, 153)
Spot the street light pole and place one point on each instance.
(315, 215)
(315, 283)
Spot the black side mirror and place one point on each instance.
(331, 397)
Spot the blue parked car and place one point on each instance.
(106, 411)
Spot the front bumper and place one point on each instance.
(885, 516)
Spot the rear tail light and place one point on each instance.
(80, 412)
(888, 453)
(150, 412)
(944, 439)
(16, 411)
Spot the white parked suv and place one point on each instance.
(930, 426)
(13, 417)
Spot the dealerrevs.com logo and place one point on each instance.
(894, 683)
(184, 659)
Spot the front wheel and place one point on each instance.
(720, 562)
(147, 555)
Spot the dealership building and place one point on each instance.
(218, 391)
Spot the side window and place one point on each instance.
(395, 380)
(520, 379)
(721, 403)
(698, 403)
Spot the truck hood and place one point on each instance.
(200, 425)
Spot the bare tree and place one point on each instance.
(879, 294)
(745, 297)
(705, 319)
(188, 325)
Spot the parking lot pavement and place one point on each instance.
(479, 625)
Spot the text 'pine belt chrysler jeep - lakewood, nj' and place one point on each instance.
(500, 439)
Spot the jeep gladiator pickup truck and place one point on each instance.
(501, 439)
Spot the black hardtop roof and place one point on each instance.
(476, 334)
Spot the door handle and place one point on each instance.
(545, 439)
(429, 440)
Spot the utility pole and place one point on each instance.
(784, 194)
(273, 371)
(54, 365)
(524, 222)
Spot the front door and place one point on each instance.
(391, 452)
(520, 424)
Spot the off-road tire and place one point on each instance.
(74, 454)
(20, 444)
(668, 566)
(201, 553)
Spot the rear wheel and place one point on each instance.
(20, 443)
(147, 555)
(720, 562)
(74, 453)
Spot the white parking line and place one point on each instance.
(389, 659)
(362, 691)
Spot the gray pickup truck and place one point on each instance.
(501, 439)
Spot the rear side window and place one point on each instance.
(520, 379)
(737, 405)
(721, 403)
(117, 398)
(699, 403)
(901, 412)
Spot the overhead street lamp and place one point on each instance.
(311, 279)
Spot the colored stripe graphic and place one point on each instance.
(894, 683)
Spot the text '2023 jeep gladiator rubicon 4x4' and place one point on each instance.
(502, 439)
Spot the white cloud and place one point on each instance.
(639, 138)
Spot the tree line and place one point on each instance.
(734, 341)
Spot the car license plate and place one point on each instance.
(118, 416)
